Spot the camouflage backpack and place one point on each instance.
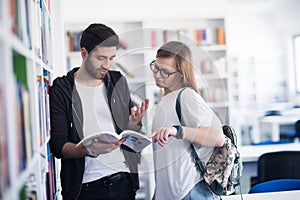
(222, 173)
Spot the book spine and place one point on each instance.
(153, 39)
(165, 36)
(221, 36)
(198, 36)
(4, 166)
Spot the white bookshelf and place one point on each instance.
(209, 54)
(145, 37)
(26, 53)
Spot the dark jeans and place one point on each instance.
(116, 186)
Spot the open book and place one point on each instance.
(136, 141)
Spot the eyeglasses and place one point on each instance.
(162, 72)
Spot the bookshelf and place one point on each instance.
(27, 168)
(206, 38)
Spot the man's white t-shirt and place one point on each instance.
(175, 171)
(97, 118)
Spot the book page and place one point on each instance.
(135, 140)
(108, 137)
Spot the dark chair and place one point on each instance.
(293, 134)
(297, 130)
(278, 165)
(276, 186)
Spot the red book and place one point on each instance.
(198, 36)
(71, 41)
(166, 36)
(153, 39)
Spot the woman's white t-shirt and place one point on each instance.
(175, 171)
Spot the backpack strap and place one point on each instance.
(227, 130)
(194, 153)
(178, 105)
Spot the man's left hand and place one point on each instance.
(138, 111)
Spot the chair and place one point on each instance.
(276, 186)
(292, 135)
(297, 130)
(278, 165)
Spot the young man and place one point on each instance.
(92, 99)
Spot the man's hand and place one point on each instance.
(99, 147)
(137, 112)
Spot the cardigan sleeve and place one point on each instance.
(58, 120)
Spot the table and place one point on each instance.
(276, 121)
(250, 153)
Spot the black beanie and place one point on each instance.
(98, 34)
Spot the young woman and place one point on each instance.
(176, 175)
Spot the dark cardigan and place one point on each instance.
(66, 117)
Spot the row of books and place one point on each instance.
(205, 37)
(25, 16)
(20, 22)
(51, 175)
(26, 143)
(216, 67)
(73, 38)
(31, 188)
(73, 41)
(24, 109)
(43, 84)
(46, 36)
(4, 166)
(24, 137)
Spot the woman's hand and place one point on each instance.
(162, 135)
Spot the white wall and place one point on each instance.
(260, 32)
(77, 11)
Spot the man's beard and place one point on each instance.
(96, 73)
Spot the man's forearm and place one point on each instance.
(69, 150)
